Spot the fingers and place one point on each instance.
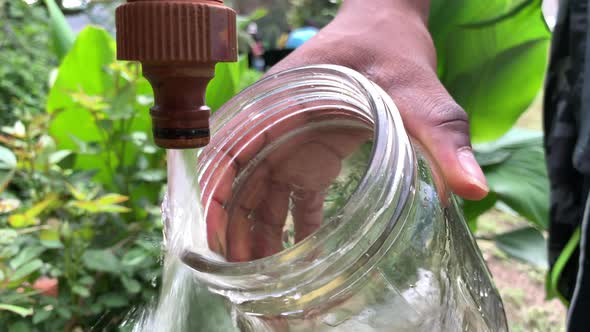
(270, 217)
(451, 148)
(310, 167)
(243, 214)
(308, 213)
(442, 127)
(217, 228)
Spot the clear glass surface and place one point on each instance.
(323, 215)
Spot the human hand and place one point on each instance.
(393, 49)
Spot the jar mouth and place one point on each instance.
(391, 160)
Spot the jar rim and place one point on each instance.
(391, 146)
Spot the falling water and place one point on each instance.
(184, 305)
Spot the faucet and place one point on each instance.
(178, 43)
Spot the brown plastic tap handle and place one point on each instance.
(178, 43)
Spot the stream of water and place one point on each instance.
(183, 305)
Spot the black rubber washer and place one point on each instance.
(181, 133)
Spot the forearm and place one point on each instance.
(421, 8)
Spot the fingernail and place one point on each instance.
(471, 167)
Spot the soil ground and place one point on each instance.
(520, 285)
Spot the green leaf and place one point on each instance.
(29, 217)
(7, 159)
(7, 236)
(26, 255)
(113, 300)
(92, 52)
(78, 194)
(473, 209)
(226, 82)
(101, 260)
(97, 308)
(104, 203)
(21, 221)
(41, 315)
(552, 280)
(18, 130)
(134, 257)
(64, 312)
(21, 326)
(86, 281)
(95, 207)
(131, 285)
(151, 175)
(526, 244)
(63, 36)
(49, 238)
(7, 167)
(81, 290)
(23, 312)
(7, 251)
(26, 269)
(519, 178)
(58, 156)
(492, 57)
(41, 206)
(111, 199)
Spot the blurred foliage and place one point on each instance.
(62, 34)
(315, 12)
(245, 40)
(517, 176)
(66, 218)
(26, 62)
(81, 187)
(492, 57)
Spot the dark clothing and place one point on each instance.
(567, 142)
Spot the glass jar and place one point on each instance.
(325, 216)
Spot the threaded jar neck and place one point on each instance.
(340, 250)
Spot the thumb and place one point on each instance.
(442, 127)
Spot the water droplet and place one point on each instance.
(154, 281)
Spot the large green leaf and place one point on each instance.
(82, 70)
(516, 172)
(226, 82)
(492, 56)
(473, 209)
(61, 32)
(526, 244)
